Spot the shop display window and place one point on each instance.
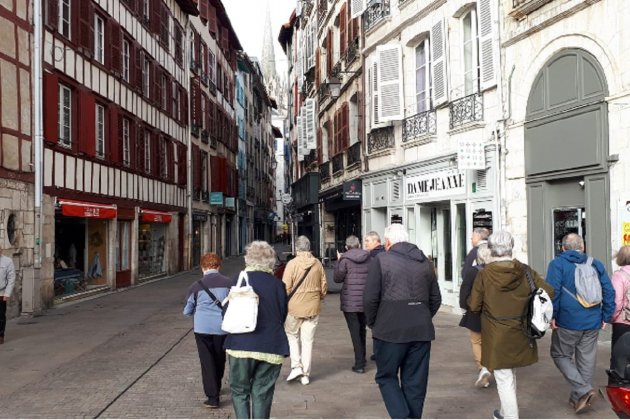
(151, 242)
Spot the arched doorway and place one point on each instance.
(566, 157)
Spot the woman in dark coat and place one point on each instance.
(351, 269)
(472, 320)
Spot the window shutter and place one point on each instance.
(320, 146)
(329, 53)
(358, 7)
(52, 14)
(87, 122)
(317, 69)
(375, 95)
(355, 29)
(115, 39)
(438, 63)
(86, 28)
(139, 149)
(329, 137)
(203, 10)
(51, 105)
(225, 40)
(197, 47)
(133, 135)
(212, 20)
(113, 134)
(154, 139)
(139, 65)
(345, 125)
(343, 42)
(390, 82)
(183, 100)
(309, 110)
(194, 109)
(156, 6)
(486, 17)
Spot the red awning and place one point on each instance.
(154, 216)
(75, 208)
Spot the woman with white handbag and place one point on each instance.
(256, 357)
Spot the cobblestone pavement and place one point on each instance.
(131, 354)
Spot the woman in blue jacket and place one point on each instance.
(207, 324)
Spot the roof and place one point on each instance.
(286, 32)
(188, 6)
(276, 132)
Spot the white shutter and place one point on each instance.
(304, 130)
(357, 8)
(299, 71)
(375, 99)
(390, 88)
(300, 152)
(298, 8)
(438, 63)
(309, 110)
(486, 17)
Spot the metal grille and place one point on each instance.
(377, 10)
(421, 124)
(354, 154)
(337, 163)
(324, 171)
(380, 139)
(465, 110)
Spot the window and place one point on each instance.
(164, 26)
(145, 11)
(147, 152)
(125, 60)
(64, 18)
(204, 171)
(423, 84)
(178, 44)
(100, 131)
(175, 99)
(163, 90)
(163, 164)
(211, 61)
(146, 69)
(470, 59)
(126, 158)
(99, 39)
(64, 110)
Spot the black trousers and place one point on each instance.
(3, 315)
(212, 359)
(356, 325)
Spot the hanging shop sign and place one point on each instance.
(75, 208)
(200, 217)
(216, 198)
(230, 202)
(435, 184)
(352, 190)
(154, 216)
(471, 154)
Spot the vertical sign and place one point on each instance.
(470, 154)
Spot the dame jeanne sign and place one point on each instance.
(435, 184)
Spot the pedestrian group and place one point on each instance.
(392, 288)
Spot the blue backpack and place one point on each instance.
(587, 285)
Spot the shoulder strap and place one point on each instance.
(530, 279)
(299, 283)
(212, 296)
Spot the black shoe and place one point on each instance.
(358, 369)
(210, 404)
(497, 414)
(372, 357)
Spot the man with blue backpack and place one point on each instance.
(583, 301)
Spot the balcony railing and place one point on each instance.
(334, 72)
(204, 136)
(377, 11)
(310, 158)
(324, 171)
(352, 52)
(213, 141)
(194, 130)
(212, 87)
(402, 3)
(465, 110)
(380, 139)
(197, 194)
(337, 163)
(322, 11)
(522, 8)
(353, 154)
(419, 125)
(323, 92)
(306, 87)
(205, 196)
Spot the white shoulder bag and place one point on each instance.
(242, 309)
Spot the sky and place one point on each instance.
(248, 20)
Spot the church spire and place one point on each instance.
(268, 55)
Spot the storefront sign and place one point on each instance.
(352, 190)
(229, 202)
(74, 208)
(216, 198)
(471, 154)
(153, 216)
(200, 217)
(435, 184)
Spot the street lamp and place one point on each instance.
(334, 83)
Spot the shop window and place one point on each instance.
(11, 229)
(123, 246)
(151, 249)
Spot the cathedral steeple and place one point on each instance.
(268, 55)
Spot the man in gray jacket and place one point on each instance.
(7, 281)
(351, 269)
(400, 299)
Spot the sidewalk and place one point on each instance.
(132, 354)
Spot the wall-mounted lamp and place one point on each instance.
(581, 183)
(334, 83)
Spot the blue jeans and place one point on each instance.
(404, 396)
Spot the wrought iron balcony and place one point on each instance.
(324, 171)
(323, 92)
(322, 11)
(353, 154)
(402, 3)
(194, 130)
(306, 87)
(337, 163)
(196, 194)
(524, 7)
(307, 7)
(212, 87)
(310, 158)
(421, 124)
(465, 110)
(376, 11)
(213, 141)
(204, 136)
(380, 139)
(352, 52)
(205, 196)
(334, 72)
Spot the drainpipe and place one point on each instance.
(188, 137)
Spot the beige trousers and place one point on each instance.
(301, 334)
(475, 343)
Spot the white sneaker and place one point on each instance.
(295, 372)
(483, 380)
(305, 380)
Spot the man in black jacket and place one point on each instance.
(479, 236)
(400, 299)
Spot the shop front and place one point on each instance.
(152, 240)
(341, 217)
(199, 232)
(82, 233)
(307, 217)
(124, 232)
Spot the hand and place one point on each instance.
(553, 324)
(603, 325)
(339, 255)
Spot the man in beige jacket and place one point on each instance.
(304, 306)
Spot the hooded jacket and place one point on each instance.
(501, 293)
(352, 271)
(567, 311)
(306, 302)
(401, 295)
(7, 276)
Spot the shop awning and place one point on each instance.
(75, 208)
(154, 216)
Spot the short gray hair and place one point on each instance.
(259, 255)
(374, 235)
(482, 232)
(353, 242)
(501, 244)
(483, 254)
(396, 233)
(573, 242)
(302, 243)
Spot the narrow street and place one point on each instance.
(131, 354)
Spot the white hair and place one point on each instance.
(501, 244)
(302, 243)
(396, 233)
